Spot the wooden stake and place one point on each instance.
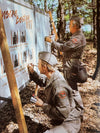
(53, 25)
(47, 38)
(11, 78)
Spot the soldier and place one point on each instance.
(74, 72)
(73, 49)
(59, 105)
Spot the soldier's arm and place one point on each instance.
(38, 79)
(57, 45)
(61, 109)
(73, 43)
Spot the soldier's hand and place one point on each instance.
(48, 39)
(30, 68)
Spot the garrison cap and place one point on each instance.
(78, 20)
(48, 57)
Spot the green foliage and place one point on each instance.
(81, 8)
(66, 17)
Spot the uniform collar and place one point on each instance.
(54, 77)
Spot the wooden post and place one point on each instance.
(48, 38)
(53, 25)
(11, 78)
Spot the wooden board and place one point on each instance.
(11, 78)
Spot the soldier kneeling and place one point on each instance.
(60, 104)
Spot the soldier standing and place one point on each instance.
(60, 105)
(73, 50)
(74, 72)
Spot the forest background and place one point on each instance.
(62, 10)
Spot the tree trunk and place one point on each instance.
(74, 8)
(45, 5)
(61, 22)
(94, 24)
(97, 71)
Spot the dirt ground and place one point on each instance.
(38, 122)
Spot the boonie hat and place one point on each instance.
(48, 57)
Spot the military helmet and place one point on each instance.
(48, 57)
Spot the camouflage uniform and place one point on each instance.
(59, 104)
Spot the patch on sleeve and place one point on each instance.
(62, 94)
(74, 40)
